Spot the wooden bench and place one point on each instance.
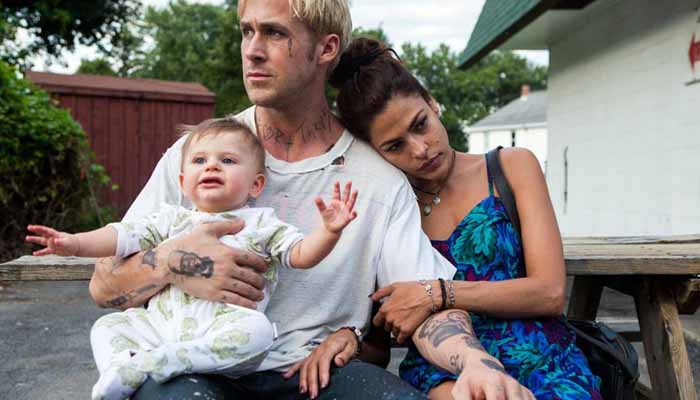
(661, 274)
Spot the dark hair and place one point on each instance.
(217, 126)
(367, 77)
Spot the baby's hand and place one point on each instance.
(59, 243)
(340, 211)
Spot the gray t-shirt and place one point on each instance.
(385, 244)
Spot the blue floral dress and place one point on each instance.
(540, 353)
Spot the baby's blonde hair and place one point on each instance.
(218, 126)
(323, 17)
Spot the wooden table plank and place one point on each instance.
(631, 239)
(50, 268)
(581, 256)
(632, 258)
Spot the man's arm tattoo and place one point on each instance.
(190, 264)
(149, 258)
(437, 330)
(493, 365)
(129, 296)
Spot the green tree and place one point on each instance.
(226, 66)
(197, 43)
(46, 169)
(466, 96)
(57, 25)
(98, 66)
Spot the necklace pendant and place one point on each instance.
(427, 209)
(436, 200)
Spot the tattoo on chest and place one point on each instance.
(128, 297)
(190, 264)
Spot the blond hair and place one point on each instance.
(323, 17)
(219, 126)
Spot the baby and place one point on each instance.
(222, 169)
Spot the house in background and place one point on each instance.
(623, 113)
(129, 122)
(521, 123)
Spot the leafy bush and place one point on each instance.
(46, 170)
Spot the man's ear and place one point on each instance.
(329, 47)
(435, 106)
(257, 187)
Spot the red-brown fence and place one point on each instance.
(129, 122)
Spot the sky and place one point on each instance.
(415, 21)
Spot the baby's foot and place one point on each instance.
(119, 380)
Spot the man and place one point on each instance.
(289, 48)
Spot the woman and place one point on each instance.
(515, 303)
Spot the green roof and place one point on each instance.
(499, 20)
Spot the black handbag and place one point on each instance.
(610, 356)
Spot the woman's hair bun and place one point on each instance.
(361, 52)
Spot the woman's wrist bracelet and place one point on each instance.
(451, 294)
(429, 290)
(443, 293)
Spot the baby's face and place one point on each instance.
(220, 172)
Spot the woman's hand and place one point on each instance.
(314, 370)
(485, 378)
(406, 307)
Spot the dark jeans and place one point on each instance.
(357, 380)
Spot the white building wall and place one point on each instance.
(536, 141)
(533, 139)
(619, 103)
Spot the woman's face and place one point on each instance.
(409, 134)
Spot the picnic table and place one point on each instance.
(660, 273)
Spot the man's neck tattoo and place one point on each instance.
(305, 133)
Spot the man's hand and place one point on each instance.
(485, 379)
(406, 307)
(338, 347)
(202, 266)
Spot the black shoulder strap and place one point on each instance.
(493, 164)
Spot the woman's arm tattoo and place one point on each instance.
(441, 327)
(456, 363)
(493, 365)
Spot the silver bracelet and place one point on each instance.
(451, 300)
(429, 289)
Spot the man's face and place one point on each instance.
(279, 54)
